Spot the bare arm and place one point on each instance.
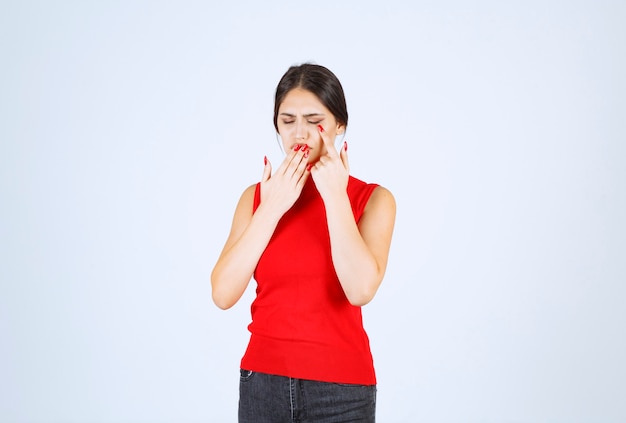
(248, 238)
(359, 252)
(250, 233)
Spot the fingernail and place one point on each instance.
(309, 166)
(345, 145)
(265, 159)
(321, 128)
(296, 147)
(306, 153)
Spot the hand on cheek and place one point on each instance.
(331, 171)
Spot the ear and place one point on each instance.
(341, 128)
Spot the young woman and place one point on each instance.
(316, 241)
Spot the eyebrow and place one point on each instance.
(308, 115)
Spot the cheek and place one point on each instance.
(316, 144)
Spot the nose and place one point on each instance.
(301, 130)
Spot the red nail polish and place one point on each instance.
(265, 159)
(309, 166)
(306, 153)
(345, 145)
(296, 147)
(321, 128)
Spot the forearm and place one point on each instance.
(236, 265)
(355, 265)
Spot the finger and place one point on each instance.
(303, 179)
(330, 147)
(267, 170)
(344, 156)
(298, 163)
(304, 170)
(312, 169)
(291, 154)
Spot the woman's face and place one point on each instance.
(299, 115)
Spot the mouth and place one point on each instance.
(302, 146)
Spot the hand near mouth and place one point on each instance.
(281, 190)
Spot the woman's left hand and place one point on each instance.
(331, 171)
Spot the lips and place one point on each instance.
(302, 147)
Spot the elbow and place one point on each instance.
(227, 289)
(359, 298)
(222, 302)
(220, 298)
(362, 292)
(360, 301)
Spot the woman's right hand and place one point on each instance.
(281, 190)
(251, 232)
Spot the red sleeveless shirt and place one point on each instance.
(303, 326)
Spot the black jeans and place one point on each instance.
(267, 398)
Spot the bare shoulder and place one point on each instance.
(248, 193)
(247, 197)
(243, 215)
(379, 216)
(377, 222)
(381, 200)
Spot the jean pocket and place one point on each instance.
(364, 389)
(245, 375)
(353, 385)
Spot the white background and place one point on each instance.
(128, 130)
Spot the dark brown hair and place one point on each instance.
(318, 80)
